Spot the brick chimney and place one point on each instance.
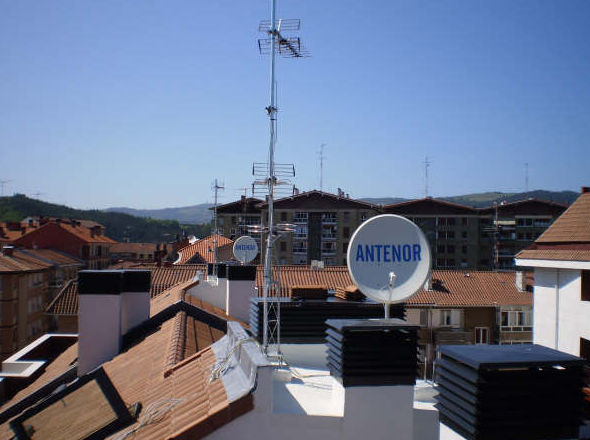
(8, 251)
(585, 189)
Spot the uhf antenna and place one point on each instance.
(2, 183)
(526, 178)
(216, 188)
(322, 167)
(426, 166)
(277, 42)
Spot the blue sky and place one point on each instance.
(144, 103)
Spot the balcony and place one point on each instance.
(329, 237)
(299, 250)
(329, 218)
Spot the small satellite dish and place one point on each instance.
(245, 249)
(388, 258)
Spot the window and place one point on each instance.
(451, 221)
(450, 249)
(585, 349)
(450, 318)
(300, 217)
(363, 216)
(464, 234)
(344, 247)
(450, 234)
(464, 221)
(464, 249)
(345, 232)
(440, 249)
(283, 246)
(346, 217)
(441, 221)
(586, 285)
(283, 216)
(481, 335)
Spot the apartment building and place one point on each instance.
(507, 228)
(323, 223)
(28, 279)
(82, 239)
(451, 229)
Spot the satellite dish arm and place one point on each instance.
(392, 278)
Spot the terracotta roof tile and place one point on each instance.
(555, 254)
(573, 226)
(139, 248)
(201, 251)
(66, 301)
(175, 379)
(21, 262)
(330, 277)
(472, 288)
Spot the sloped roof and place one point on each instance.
(526, 207)
(53, 256)
(573, 226)
(162, 279)
(429, 206)
(138, 248)
(450, 287)
(82, 233)
(201, 251)
(289, 276)
(21, 262)
(455, 288)
(320, 201)
(166, 369)
(8, 233)
(568, 238)
(245, 205)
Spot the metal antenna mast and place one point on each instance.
(216, 188)
(526, 178)
(426, 166)
(2, 183)
(290, 47)
(322, 167)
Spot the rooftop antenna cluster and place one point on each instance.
(322, 157)
(216, 188)
(426, 166)
(270, 177)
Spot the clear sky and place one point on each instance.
(144, 103)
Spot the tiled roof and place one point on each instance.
(525, 207)
(85, 234)
(166, 369)
(450, 287)
(454, 288)
(21, 262)
(163, 278)
(573, 226)
(555, 254)
(245, 205)
(10, 232)
(135, 248)
(568, 238)
(331, 277)
(202, 251)
(54, 256)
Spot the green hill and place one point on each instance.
(119, 226)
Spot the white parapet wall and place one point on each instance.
(215, 293)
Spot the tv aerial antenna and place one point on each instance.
(271, 177)
(2, 184)
(216, 188)
(322, 157)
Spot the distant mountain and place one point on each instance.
(196, 214)
(119, 226)
(481, 200)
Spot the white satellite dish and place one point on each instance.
(388, 259)
(245, 249)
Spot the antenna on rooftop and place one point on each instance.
(2, 183)
(426, 166)
(277, 41)
(322, 167)
(526, 178)
(216, 188)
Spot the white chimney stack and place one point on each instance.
(110, 303)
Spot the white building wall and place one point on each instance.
(561, 318)
(211, 292)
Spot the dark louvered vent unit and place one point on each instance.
(304, 321)
(510, 392)
(372, 352)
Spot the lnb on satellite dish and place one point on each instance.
(245, 249)
(389, 258)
